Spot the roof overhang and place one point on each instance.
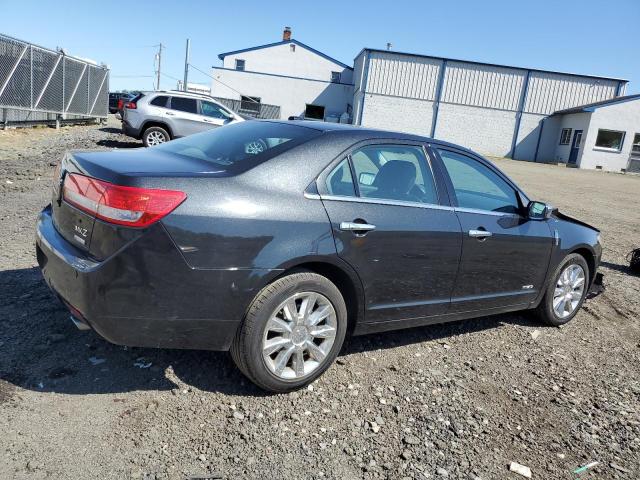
(285, 42)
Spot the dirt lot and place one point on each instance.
(456, 401)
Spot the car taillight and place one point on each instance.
(130, 105)
(120, 104)
(130, 206)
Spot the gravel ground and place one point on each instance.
(462, 400)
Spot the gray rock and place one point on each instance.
(411, 440)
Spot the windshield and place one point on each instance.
(240, 146)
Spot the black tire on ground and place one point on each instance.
(246, 349)
(154, 131)
(544, 311)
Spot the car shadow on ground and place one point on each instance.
(618, 268)
(110, 130)
(41, 350)
(118, 144)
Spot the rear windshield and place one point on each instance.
(238, 147)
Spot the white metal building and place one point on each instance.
(302, 81)
(493, 109)
(603, 135)
(496, 110)
(194, 87)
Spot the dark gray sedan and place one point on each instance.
(276, 239)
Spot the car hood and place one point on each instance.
(567, 218)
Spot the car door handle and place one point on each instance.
(171, 114)
(356, 227)
(481, 234)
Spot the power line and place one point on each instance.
(247, 98)
(132, 76)
(171, 77)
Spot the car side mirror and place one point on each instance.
(539, 211)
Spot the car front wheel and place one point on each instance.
(292, 332)
(566, 291)
(155, 136)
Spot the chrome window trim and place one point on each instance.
(485, 212)
(399, 203)
(379, 201)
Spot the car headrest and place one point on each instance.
(397, 176)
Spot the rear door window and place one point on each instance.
(394, 172)
(182, 104)
(340, 181)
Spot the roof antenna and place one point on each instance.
(389, 46)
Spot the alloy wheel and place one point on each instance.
(569, 290)
(299, 335)
(155, 138)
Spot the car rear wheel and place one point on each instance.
(292, 333)
(566, 292)
(155, 136)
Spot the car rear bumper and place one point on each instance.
(145, 295)
(129, 130)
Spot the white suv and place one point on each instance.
(157, 117)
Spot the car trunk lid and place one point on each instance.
(102, 200)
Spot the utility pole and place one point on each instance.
(159, 66)
(186, 65)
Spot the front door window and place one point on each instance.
(478, 187)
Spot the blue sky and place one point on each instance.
(587, 36)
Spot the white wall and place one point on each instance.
(484, 130)
(478, 103)
(549, 137)
(290, 94)
(283, 60)
(574, 121)
(625, 117)
(530, 124)
(397, 113)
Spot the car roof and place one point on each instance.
(179, 93)
(367, 133)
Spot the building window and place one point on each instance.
(239, 64)
(335, 77)
(251, 104)
(635, 147)
(610, 139)
(292, 47)
(565, 136)
(314, 112)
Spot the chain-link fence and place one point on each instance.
(37, 84)
(251, 108)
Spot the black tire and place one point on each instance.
(154, 131)
(544, 311)
(246, 349)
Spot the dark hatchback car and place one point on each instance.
(276, 239)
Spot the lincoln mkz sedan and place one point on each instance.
(274, 240)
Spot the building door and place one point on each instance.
(634, 157)
(575, 147)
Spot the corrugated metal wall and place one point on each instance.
(403, 76)
(474, 94)
(550, 92)
(482, 86)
